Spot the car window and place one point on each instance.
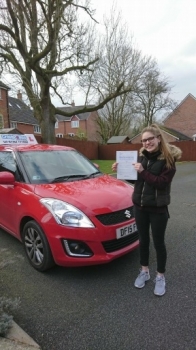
(7, 162)
(45, 166)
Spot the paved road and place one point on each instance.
(98, 308)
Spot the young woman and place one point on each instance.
(151, 196)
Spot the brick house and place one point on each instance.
(4, 108)
(21, 116)
(180, 124)
(14, 113)
(82, 125)
(183, 117)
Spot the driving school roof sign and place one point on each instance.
(15, 139)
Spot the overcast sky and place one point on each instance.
(165, 30)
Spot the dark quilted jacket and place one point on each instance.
(152, 189)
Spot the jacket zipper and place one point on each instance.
(144, 187)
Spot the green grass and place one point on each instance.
(105, 166)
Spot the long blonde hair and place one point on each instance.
(163, 145)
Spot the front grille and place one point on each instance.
(116, 244)
(115, 217)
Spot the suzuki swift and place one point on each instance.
(61, 207)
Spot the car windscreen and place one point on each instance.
(57, 166)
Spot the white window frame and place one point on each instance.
(56, 124)
(194, 137)
(75, 124)
(59, 135)
(13, 125)
(37, 129)
(0, 94)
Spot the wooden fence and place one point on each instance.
(87, 148)
(94, 150)
(109, 151)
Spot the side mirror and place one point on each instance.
(6, 178)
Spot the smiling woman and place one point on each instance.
(151, 197)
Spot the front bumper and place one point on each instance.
(101, 242)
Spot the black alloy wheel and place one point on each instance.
(36, 247)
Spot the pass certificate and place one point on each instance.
(125, 168)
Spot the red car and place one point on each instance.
(62, 208)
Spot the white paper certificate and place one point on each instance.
(125, 169)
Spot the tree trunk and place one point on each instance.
(47, 123)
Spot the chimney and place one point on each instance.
(73, 103)
(19, 95)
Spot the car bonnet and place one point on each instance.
(92, 196)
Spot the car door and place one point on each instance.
(9, 194)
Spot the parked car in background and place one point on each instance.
(61, 207)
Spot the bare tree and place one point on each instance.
(119, 61)
(46, 45)
(152, 96)
(114, 119)
(118, 58)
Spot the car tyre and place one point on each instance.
(36, 247)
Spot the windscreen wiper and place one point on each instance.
(66, 178)
(92, 175)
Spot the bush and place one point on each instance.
(7, 306)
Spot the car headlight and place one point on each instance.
(66, 214)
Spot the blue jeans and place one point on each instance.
(158, 223)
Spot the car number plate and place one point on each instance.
(126, 230)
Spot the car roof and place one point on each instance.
(37, 147)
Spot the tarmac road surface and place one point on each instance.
(98, 308)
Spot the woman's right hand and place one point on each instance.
(114, 166)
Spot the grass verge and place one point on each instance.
(105, 166)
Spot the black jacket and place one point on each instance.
(152, 189)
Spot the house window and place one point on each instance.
(75, 124)
(59, 135)
(0, 95)
(37, 129)
(71, 134)
(81, 134)
(13, 125)
(56, 125)
(1, 122)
